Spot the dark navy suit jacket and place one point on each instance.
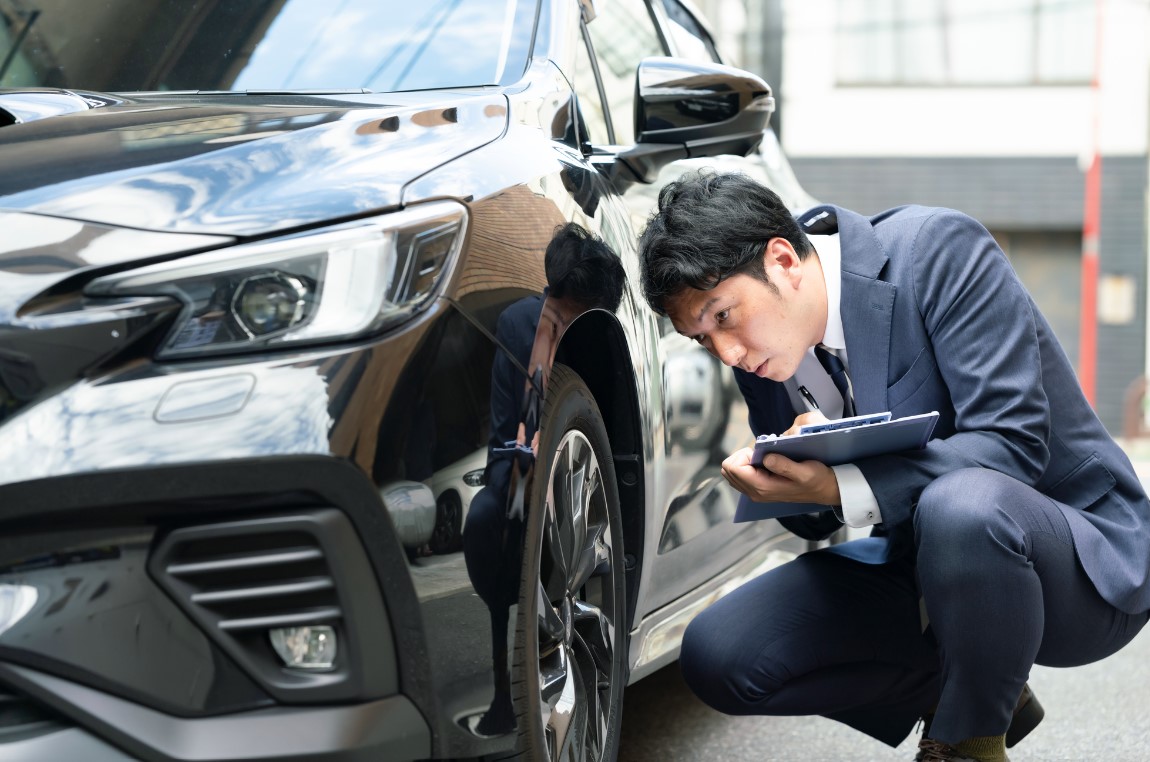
(936, 319)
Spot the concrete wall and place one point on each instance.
(1018, 194)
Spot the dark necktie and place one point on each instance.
(838, 373)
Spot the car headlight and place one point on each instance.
(336, 283)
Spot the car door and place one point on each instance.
(704, 417)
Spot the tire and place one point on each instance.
(570, 659)
(447, 537)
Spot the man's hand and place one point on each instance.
(521, 438)
(806, 419)
(782, 479)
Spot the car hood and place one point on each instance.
(237, 164)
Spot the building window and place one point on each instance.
(964, 42)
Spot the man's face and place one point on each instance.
(750, 325)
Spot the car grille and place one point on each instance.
(254, 582)
(241, 580)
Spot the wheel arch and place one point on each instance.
(595, 347)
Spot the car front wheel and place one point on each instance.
(570, 655)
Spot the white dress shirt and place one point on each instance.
(859, 506)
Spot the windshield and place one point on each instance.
(378, 45)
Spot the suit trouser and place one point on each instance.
(826, 634)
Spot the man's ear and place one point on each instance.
(781, 261)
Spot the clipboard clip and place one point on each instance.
(845, 423)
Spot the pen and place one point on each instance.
(808, 399)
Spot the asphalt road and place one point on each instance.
(1097, 712)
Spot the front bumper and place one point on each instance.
(105, 660)
(387, 729)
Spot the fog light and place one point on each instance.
(305, 647)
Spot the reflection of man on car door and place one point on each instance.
(582, 274)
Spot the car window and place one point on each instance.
(590, 101)
(623, 34)
(687, 36)
(265, 44)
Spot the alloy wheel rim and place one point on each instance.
(576, 604)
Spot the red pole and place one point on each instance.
(1091, 216)
(1088, 320)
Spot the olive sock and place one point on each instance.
(983, 748)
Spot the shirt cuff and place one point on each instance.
(859, 505)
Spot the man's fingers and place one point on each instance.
(739, 458)
(781, 479)
(805, 419)
(736, 460)
(777, 464)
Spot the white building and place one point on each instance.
(986, 106)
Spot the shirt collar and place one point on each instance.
(830, 257)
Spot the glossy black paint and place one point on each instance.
(193, 495)
(28, 105)
(684, 111)
(95, 617)
(237, 164)
(98, 435)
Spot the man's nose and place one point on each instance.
(728, 351)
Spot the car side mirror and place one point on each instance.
(685, 109)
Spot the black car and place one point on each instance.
(332, 422)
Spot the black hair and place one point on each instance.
(708, 227)
(581, 267)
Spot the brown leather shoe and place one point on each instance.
(930, 750)
(1028, 712)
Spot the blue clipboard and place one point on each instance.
(850, 439)
(837, 442)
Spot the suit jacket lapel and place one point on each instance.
(866, 307)
(866, 303)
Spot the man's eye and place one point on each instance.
(722, 316)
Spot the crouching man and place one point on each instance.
(1020, 535)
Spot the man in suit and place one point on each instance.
(1019, 535)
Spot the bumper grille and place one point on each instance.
(255, 581)
(240, 580)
